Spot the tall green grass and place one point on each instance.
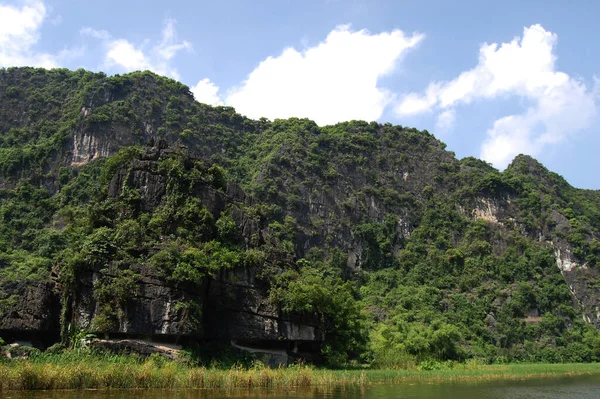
(76, 371)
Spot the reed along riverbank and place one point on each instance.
(97, 372)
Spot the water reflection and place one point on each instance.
(563, 388)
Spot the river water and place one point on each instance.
(549, 388)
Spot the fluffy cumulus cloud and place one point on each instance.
(334, 81)
(19, 33)
(122, 55)
(559, 105)
(207, 92)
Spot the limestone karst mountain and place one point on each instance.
(129, 209)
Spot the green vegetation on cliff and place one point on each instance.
(404, 254)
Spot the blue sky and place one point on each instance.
(491, 79)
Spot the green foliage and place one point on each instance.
(112, 292)
(315, 289)
(192, 265)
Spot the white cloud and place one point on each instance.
(414, 103)
(559, 113)
(334, 81)
(168, 46)
(207, 92)
(19, 33)
(445, 121)
(524, 67)
(125, 56)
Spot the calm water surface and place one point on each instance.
(563, 388)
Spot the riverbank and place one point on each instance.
(121, 372)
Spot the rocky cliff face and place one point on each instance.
(232, 306)
(35, 315)
(581, 279)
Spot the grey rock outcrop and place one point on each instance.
(36, 315)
